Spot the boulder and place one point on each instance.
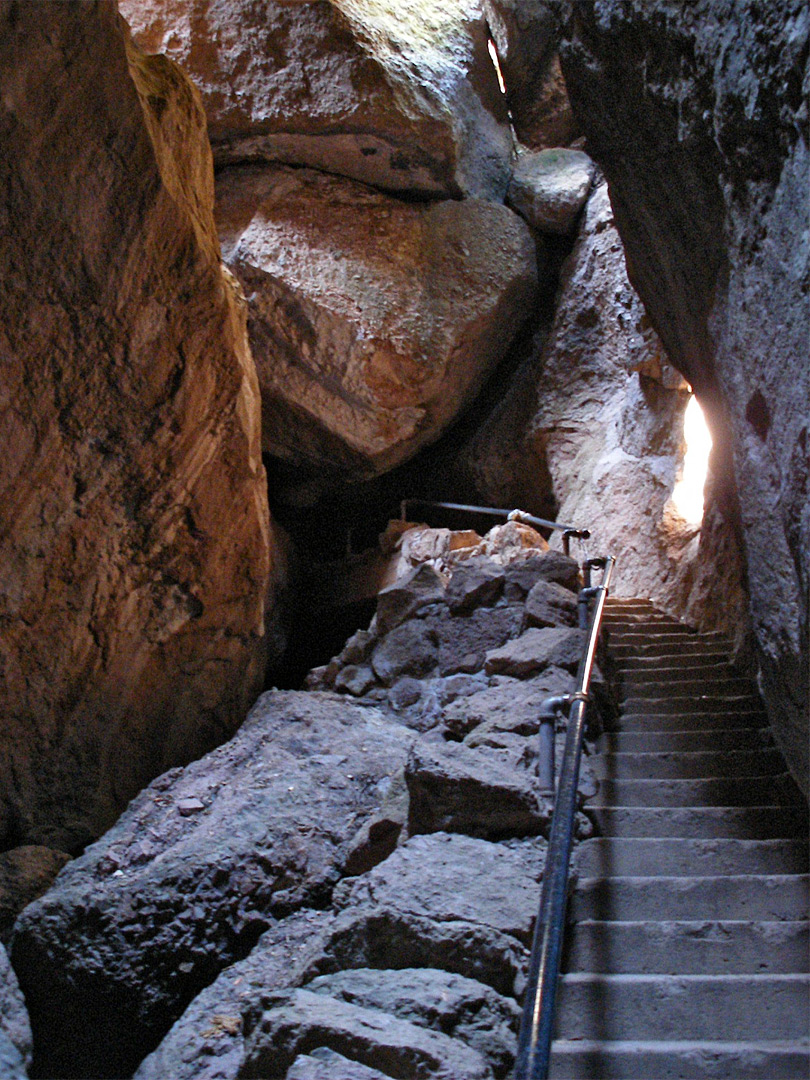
(147, 917)
(526, 34)
(416, 589)
(510, 705)
(400, 97)
(513, 541)
(464, 640)
(15, 1028)
(208, 1040)
(476, 583)
(720, 255)
(326, 1064)
(297, 1021)
(411, 649)
(549, 188)
(485, 793)
(459, 1007)
(355, 680)
(522, 576)
(536, 650)
(25, 873)
(373, 322)
(136, 545)
(549, 604)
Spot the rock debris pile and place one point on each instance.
(347, 887)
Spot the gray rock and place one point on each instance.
(406, 691)
(379, 835)
(535, 650)
(459, 1007)
(150, 914)
(476, 583)
(15, 1029)
(358, 648)
(295, 1021)
(25, 873)
(355, 680)
(511, 705)
(410, 649)
(407, 595)
(478, 792)
(465, 639)
(549, 188)
(550, 604)
(207, 1041)
(326, 1064)
(442, 877)
(521, 577)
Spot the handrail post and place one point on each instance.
(537, 1024)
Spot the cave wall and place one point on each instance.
(698, 115)
(134, 529)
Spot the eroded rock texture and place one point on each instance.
(597, 415)
(400, 95)
(372, 321)
(698, 115)
(135, 534)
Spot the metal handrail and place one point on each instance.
(569, 531)
(537, 1024)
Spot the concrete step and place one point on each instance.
(678, 687)
(695, 1006)
(649, 720)
(697, 659)
(623, 856)
(723, 947)
(685, 647)
(740, 791)
(688, 706)
(740, 822)
(686, 764)
(771, 897)
(680, 1060)
(661, 639)
(623, 742)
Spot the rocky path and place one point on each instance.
(689, 951)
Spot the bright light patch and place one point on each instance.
(688, 493)
(493, 52)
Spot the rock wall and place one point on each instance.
(134, 536)
(698, 115)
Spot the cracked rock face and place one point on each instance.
(135, 541)
(400, 95)
(372, 321)
(720, 255)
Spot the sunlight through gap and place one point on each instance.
(688, 492)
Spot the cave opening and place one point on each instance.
(687, 495)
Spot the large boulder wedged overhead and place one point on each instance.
(401, 95)
(697, 114)
(134, 529)
(372, 321)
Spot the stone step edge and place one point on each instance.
(658, 879)
(584, 978)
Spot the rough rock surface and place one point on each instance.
(326, 1064)
(15, 1029)
(135, 535)
(198, 866)
(298, 1021)
(549, 188)
(720, 254)
(372, 321)
(535, 650)
(442, 1001)
(509, 705)
(549, 604)
(610, 441)
(398, 95)
(526, 34)
(25, 873)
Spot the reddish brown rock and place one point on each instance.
(401, 96)
(134, 534)
(373, 322)
(25, 874)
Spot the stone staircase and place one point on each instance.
(688, 950)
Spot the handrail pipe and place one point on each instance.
(537, 1025)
